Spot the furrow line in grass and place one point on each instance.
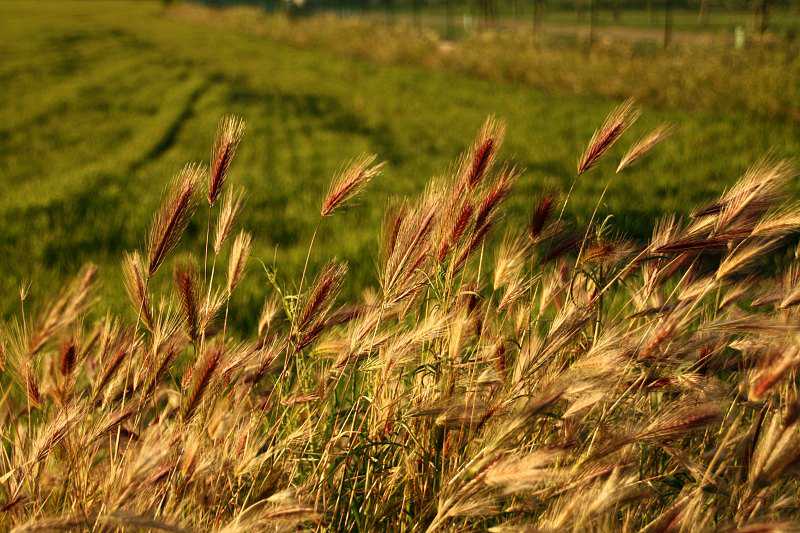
(53, 97)
(71, 221)
(149, 141)
(170, 133)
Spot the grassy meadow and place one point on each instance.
(541, 306)
(105, 101)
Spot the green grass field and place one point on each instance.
(584, 373)
(104, 102)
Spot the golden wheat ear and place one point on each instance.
(173, 216)
(541, 215)
(229, 133)
(477, 162)
(644, 145)
(188, 287)
(203, 374)
(619, 120)
(312, 317)
(240, 253)
(350, 183)
(135, 278)
(407, 246)
(231, 207)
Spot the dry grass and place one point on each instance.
(759, 80)
(625, 387)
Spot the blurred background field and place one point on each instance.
(104, 102)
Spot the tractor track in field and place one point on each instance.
(89, 194)
(170, 133)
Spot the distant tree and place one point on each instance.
(537, 14)
(762, 15)
(579, 10)
(667, 22)
(488, 10)
(389, 12)
(448, 19)
(616, 10)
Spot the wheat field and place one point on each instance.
(267, 272)
(587, 383)
(104, 100)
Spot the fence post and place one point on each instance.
(667, 23)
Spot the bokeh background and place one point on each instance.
(103, 102)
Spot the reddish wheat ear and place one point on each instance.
(644, 145)
(349, 183)
(619, 120)
(173, 216)
(229, 133)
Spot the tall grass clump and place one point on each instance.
(567, 379)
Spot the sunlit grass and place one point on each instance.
(103, 102)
